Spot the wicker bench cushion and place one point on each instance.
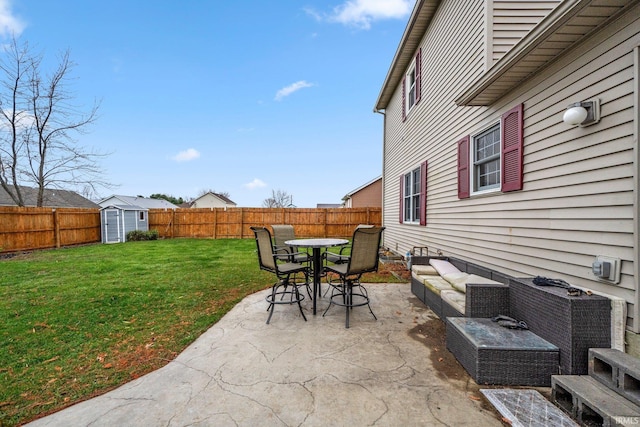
(443, 267)
(436, 284)
(459, 280)
(423, 270)
(454, 298)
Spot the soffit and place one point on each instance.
(413, 33)
(566, 25)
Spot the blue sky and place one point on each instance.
(239, 96)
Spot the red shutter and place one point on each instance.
(423, 193)
(512, 148)
(401, 203)
(463, 168)
(418, 75)
(404, 102)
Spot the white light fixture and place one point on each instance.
(583, 113)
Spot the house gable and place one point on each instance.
(212, 200)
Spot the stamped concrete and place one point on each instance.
(242, 372)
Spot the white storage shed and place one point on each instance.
(118, 220)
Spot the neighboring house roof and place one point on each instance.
(51, 198)
(351, 193)
(224, 199)
(142, 202)
(328, 205)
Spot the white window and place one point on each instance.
(485, 152)
(411, 87)
(411, 197)
(142, 216)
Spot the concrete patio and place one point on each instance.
(391, 372)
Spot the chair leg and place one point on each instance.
(348, 292)
(283, 288)
(272, 305)
(299, 300)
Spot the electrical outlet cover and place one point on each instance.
(614, 273)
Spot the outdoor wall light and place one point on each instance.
(583, 113)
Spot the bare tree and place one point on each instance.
(37, 124)
(278, 199)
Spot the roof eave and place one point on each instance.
(417, 26)
(514, 67)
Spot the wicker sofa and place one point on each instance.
(485, 294)
(572, 323)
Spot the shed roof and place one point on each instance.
(124, 207)
(144, 202)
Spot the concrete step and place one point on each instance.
(592, 403)
(617, 370)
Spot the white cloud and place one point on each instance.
(294, 87)
(187, 155)
(256, 183)
(10, 25)
(361, 13)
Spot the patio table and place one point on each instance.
(316, 245)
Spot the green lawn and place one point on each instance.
(80, 321)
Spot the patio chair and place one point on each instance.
(285, 289)
(282, 233)
(341, 257)
(349, 292)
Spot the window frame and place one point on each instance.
(511, 156)
(411, 85)
(475, 164)
(413, 195)
(412, 91)
(411, 210)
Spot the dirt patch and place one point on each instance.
(398, 269)
(432, 334)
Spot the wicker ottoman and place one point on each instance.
(573, 323)
(496, 355)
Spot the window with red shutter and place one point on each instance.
(423, 193)
(400, 202)
(492, 160)
(411, 85)
(413, 196)
(463, 168)
(512, 149)
(404, 101)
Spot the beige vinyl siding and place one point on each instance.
(424, 135)
(510, 21)
(578, 197)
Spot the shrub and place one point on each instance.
(139, 235)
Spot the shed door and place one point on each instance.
(112, 226)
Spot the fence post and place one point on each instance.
(56, 227)
(241, 223)
(173, 223)
(215, 223)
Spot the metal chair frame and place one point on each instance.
(284, 290)
(364, 258)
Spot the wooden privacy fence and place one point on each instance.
(41, 228)
(236, 223)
